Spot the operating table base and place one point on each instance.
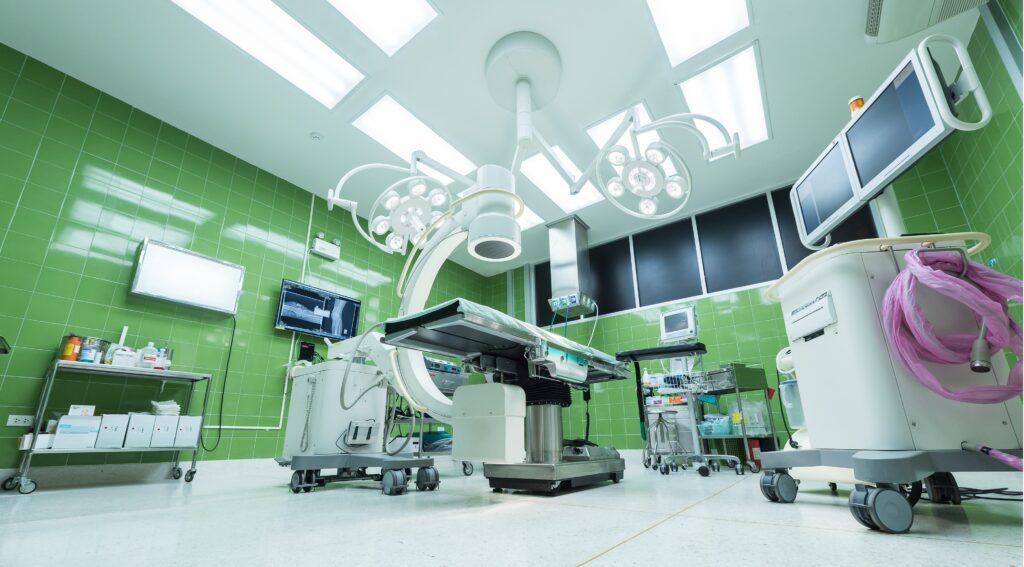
(552, 477)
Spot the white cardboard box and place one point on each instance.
(82, 410)
(76, 432)
(140, 430)
(188, 431)
(165, 428)
(112, 431)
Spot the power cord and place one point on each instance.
(782, 408)
(586, 431)
(223, 393)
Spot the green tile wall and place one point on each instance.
(84, 178)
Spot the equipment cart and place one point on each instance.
(21, 479)
(395, 471)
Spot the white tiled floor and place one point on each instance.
(241, 513)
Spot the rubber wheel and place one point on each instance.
(295, 484)
(912, 492)
(716, 466)
(703, 470)
(739, 469)
(859, 507)
(674, 467)
(785, 487)
(890, 510)
(27, 486)
(176, 473)
(647, 463)
(664, 469)
(190, 475)
(310, 480)
(766, 487)
(427, 479)
(467, 468)
(9, 483)
(753, 467)
(392, 482)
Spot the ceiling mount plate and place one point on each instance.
(523, 55)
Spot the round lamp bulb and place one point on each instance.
(396, 242)
(655, 155)
(391, 200)
(648, 206)
(381, 225)
(615, 187)
(617, 155)
(640, 180)
(438, 198)
(417, 187)
(675, 187)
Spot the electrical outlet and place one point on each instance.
(20, 420)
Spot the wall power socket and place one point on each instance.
(20, 420)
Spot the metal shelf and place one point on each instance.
(110, 450)
(93, 369)
(737, 436)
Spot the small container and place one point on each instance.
(147, 356)
(72, 346)
(91, 350)
(789, 391)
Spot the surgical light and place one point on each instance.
(391, 200)
(417, 187)
(381, 225)
(396, 242)
(675, 186)
(437, 197)
(615, 187)
(649, 206)
(618, 155)
(655, 155)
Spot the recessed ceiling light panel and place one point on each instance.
(266, 32)
(388, 23)
(731, 92)
(395, 128)
(687, 28)
(541, 173)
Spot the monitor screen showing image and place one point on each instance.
(824, 190)
(313, 311)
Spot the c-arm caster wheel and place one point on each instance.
(779, 486)
(881, 508)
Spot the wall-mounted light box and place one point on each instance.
(178, 275)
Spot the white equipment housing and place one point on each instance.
(489, 423)
(316, 413)
(855, 393)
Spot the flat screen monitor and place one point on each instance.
(824, 192)
(313, 311)
(898, 117)
(679, 324)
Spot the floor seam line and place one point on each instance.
(658, 523)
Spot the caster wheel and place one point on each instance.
(295, 484)
(467, 468)
(779, 487)
(657, 460)
(26, 486)
(912, 492)
(647, 462)
(703, 470)
(10, 483)
(176, 473)
(309, 480)
(753, 467)
(392, 482)
(715, 466)
(497, 490)
(674, 467)
(427, 479)
(664, 469)
(833, 488)
(739, 469)
(190, 475)
(881, 508)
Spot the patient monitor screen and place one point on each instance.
(889, 125)
(824, 190)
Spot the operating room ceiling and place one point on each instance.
(157, 57)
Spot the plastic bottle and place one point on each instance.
(147, 356)
(72, 345)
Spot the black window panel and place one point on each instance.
(737, 244)
(859, 226)
(666, 263)
(611, 277)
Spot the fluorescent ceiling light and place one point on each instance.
(543, 174)
(528, 219)
(388, 23)
(395, 128)
(687, 28)
(265, 31)
(731, 93)
(602, 131)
